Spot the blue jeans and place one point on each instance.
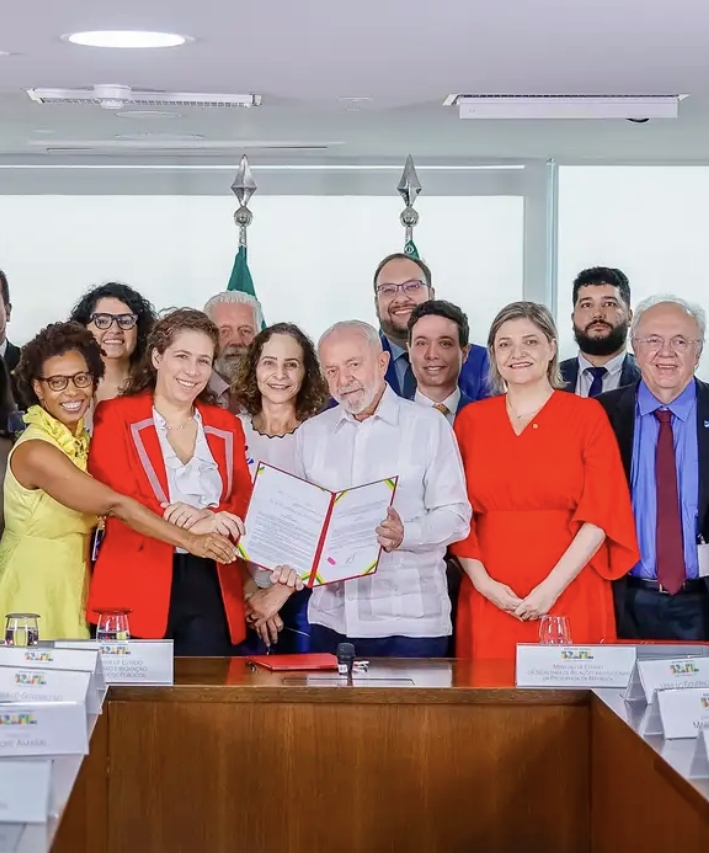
(324, 639)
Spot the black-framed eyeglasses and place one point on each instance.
(409, 287)
(123, 321)
(61, 383)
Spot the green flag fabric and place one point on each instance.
(240, 279)
(411, 250)
(240, 275)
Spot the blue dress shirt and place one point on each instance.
(642, 476)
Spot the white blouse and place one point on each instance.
(198, 483)
(276, 450)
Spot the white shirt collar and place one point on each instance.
(3, 348)
(451, 402)
(387, 410)
(614, 366)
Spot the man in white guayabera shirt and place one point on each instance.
(402, 610)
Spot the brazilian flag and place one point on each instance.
(240, 279)
(411, 250)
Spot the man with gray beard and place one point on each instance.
(239, 318)
(403, 609)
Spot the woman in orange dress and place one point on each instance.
(552, 517)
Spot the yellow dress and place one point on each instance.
(44, 565)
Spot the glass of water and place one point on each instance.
(554, 631)
(113, 625)
(21, 629)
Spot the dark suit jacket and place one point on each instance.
(630, 372)
(472, 380)
(620, 408)
(463, 402)
(12, 359)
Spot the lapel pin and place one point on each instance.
(706, 424)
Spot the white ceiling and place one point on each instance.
(407, 56)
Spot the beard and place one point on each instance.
(228, 361)
(615, 340)
(361, 404)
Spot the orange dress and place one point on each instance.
(530, 494)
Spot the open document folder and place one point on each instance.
(325, 536)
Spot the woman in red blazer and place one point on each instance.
(165, 444)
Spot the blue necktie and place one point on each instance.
(408, 389)
(597, 384)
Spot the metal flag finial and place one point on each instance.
(409, 188)
(243, 187)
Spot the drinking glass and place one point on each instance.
(113, 625)
(21, 629)
(554, 631)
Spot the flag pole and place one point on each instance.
(244, 187)
(409, 188)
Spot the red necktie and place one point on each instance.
(671, 572)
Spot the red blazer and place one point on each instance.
(133, 570)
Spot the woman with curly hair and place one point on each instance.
(166, 443)
(120, 319)
(51, 504)
(278, 386)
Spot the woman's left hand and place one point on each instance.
(539, 602)
(224, 523)
(185, 516)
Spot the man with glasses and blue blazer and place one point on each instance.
(401, 283)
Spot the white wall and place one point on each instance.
(651, 222)
(311, 257)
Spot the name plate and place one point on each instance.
(683, 712)
(133, 662)
(77, 660)
(48, 685)
(649, 676)
(574, 666)
(24, 790)
(43, 728)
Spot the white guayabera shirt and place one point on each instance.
(408, 595)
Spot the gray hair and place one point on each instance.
(368, 332)
(231, 297)
(696, 312)
(543, 320)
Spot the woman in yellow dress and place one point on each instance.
(52, 504)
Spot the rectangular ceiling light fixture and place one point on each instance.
(523, 107)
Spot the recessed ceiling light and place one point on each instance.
(126, 39)
(348, 99)
(147, 114)
(43, 131)
(163, 137)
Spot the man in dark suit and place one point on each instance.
(438, 345)
(662, 427)
(601, 319)
(8, 351)
(400, 284)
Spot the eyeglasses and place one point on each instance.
(60, 383)
(104, 321)
(677, 344)
(410, 288)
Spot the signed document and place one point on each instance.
(325, 536)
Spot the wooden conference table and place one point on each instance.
(419, 756)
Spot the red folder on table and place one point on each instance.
(295, 663)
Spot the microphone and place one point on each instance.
(345, 659)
